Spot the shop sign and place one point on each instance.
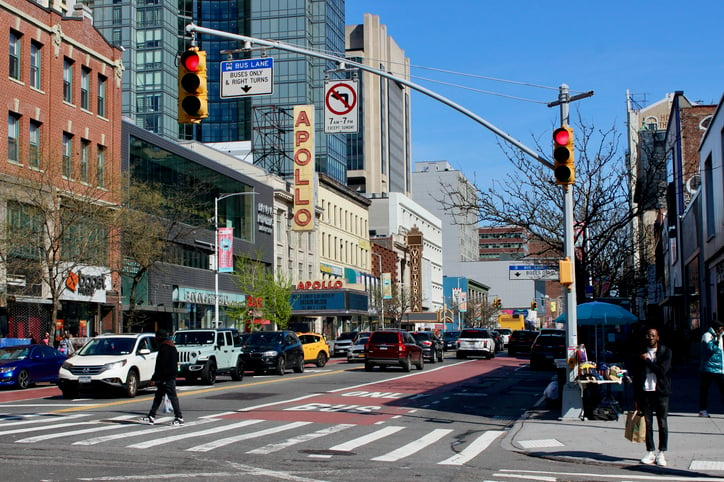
(86, 283)
(264, 218)
(321, 285)
(303, 168)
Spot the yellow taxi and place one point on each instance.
(315, 348)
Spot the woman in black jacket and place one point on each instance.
(164, 377)
(652, 387)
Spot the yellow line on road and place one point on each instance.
(195, 392)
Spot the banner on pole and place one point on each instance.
(226, 251)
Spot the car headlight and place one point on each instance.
(6, 369)
(270, 353)
(66, 365)
(114, 365)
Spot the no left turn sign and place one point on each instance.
(340, 102)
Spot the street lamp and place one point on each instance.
(216, 248)
(382, 300)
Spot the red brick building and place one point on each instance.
(61, 87)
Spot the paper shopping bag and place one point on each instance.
(635, 427)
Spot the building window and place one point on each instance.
(67, 155)
(101, 167)
(13, 137)
(35, 65)
(68, 81)
(34, 151)
(14, 51)
(84, 153)
(85, 88)
(101, 96)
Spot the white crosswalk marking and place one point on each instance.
(154, 429)
(97, 428)
(44, 427)
(245, 436)
(413, 447)
(173, 438)
(364, 440)
(474, 449)
(40, 418)
(275, 447)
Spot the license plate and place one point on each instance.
(84, 379)
(383, 348)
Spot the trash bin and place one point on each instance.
(561, 367)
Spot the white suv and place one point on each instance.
(124, 362)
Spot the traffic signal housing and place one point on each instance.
(533, 305)
(497, 303)
(564, 168)
(193, 103)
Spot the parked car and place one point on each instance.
(343, 341)
(552, 331)
(273, 351)
(475, 342)
(123, 362)
(393, 348)
(315, 348)
(356, 352)
(361, 334)
(207, 352)
(25, 365)
(521, 341)
(431, 345)
(505, 336)
(449, 339)
(546, 349)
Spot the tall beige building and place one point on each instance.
(379, 155)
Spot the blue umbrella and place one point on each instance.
(598, 312)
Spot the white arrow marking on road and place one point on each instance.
(413, 447)
(476, 447)
(245, 436)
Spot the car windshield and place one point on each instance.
(362, 340)
(346, 336)
(384, 337)
(262, 338)
(14, 353)
(550, 340)
(108, 346)
(194, 338)
(421, 336)
(451, 336)
(475, 334)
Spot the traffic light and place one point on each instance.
(497, 303)
(533, 305)
(193, 104)
(564, 169)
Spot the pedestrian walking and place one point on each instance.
(46, 339)
(711, 366)
(652, 388)
(66, 345)
(164, 377)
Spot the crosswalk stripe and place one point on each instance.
(97, 428)
(475, 448)
(173, 438)
(44, 427)
(245, 436)
(39, 419)
(275, 447)
(365, 439)
(413, 447)
(154, 429)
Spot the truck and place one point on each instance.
(206, 353)
(513, 322)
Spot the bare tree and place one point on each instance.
(529, 198)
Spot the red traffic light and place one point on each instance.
(190, 60)
(561, 136)
(563, 148)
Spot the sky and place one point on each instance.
(534, 46)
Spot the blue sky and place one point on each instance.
(649, 48)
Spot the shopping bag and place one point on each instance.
(635, 427)
(166, 406)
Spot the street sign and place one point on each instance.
(240, 78)
(532, 272)
(340, 107)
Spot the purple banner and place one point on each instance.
(226, 251)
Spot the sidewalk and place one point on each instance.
(696, 444)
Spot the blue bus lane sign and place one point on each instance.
(241, 78)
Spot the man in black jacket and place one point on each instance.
(652, 387)
(164, 377)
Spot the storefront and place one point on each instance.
(194, 308)
(328, 308)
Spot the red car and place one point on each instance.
(393, 347)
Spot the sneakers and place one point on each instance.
(660, 459)
(649, 459)
(704, 413)
(177, 421)
(149, 420)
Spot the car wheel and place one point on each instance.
(322, 359)
(131, 387)
(433, 357)
(23, 379)
(281, 365)
(421, 364)
(368, 367)
(441, 356)
(299, 368)
(237, 373)
(407, 363)
(208, 374)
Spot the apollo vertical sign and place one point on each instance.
(340, 106)
(303, 168)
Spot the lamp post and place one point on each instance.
(216, 248)
(382, 300)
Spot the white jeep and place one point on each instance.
(205, 353)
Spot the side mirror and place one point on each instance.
(144, 351)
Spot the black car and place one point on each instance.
(273, 351)
(431, 345)
(546, 349)
(449, 340)
(521, 341)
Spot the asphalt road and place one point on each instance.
(335, 423)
